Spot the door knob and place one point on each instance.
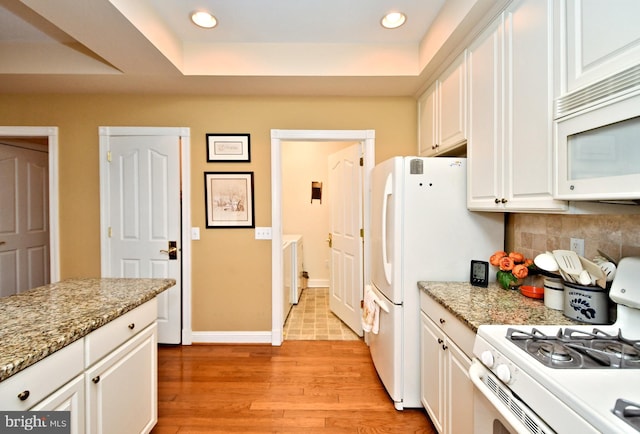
(172, 250)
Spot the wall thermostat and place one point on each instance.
(479, 275)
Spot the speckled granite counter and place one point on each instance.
(39, 322)
(475, 306)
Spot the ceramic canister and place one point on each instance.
(553, 293)
(586, 303)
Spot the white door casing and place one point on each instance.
(51, 134)
(345, 210)
(367, 137)
(24, 223)
(141, 212)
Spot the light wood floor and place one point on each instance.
(300, 387)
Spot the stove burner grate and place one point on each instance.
(571, 348)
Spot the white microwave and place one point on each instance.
(597, 152)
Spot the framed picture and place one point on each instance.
(228, 147)
(229, 199)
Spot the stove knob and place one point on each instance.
(503, 373)
(487, 359)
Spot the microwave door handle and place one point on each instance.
(475, 371)
(388, 189)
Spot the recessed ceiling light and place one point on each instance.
(393, 20)
(204, 19)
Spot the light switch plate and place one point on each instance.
(263, 233)
(195, 233)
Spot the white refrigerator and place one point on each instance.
(420, 230)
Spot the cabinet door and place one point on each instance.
(432, 375)
(459, 391)
(452, 105)
(484, 147)
(528, 150)
(603, 38)
(69, 397)
(427, 141)
(122, 387)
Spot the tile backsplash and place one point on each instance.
(616, 235)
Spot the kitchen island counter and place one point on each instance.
(475, 306)
(41, 321)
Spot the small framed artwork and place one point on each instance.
(228, 147)
(229, 199)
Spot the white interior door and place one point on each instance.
(24, 219)
(143, 212)
(345, 208)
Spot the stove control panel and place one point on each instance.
(491, 358)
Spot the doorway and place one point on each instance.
(44, 138)
(145, 218)
(367, 138)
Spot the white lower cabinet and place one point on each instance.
(106, 380)
(446, 391)
(122, 388)
(69, 397)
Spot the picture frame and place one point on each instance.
(228, 148)
(229, 201)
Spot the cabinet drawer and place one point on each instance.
(102, 341)
(454, 328)
(42, 379)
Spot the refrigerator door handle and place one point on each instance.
(388, 190)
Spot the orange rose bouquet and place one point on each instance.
(512, 268)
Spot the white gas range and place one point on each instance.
(569, 379)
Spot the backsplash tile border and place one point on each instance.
(616, 235)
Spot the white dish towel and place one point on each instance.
(370, 311)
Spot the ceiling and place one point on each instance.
(259, 47)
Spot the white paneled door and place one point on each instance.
(142, 207)
(345, 208)
(24, 217)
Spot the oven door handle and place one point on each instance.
(475, 373)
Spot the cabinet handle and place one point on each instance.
(22, 396)
(131, 326)
(442, 321)
(496, 200)
(96, 379)
(503, 200)
(440, 341)
(444, 347)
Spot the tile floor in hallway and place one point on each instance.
(311, 319)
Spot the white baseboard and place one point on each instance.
(231, 337)
(318, 283)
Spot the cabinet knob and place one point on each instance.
(444, 347)
(440, 341)
(131, 326)
(442, 321)
(503, 200)
(96, 379)
(496, 200)
(22, 396)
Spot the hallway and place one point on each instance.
(311, 319)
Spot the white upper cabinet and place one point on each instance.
(510, 147)
(602, 39)
(442, 112)
(427, 140)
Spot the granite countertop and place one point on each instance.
(38, 322)
(476, 306)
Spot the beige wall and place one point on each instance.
(302, 163)
(231, 270)
(616, 235)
